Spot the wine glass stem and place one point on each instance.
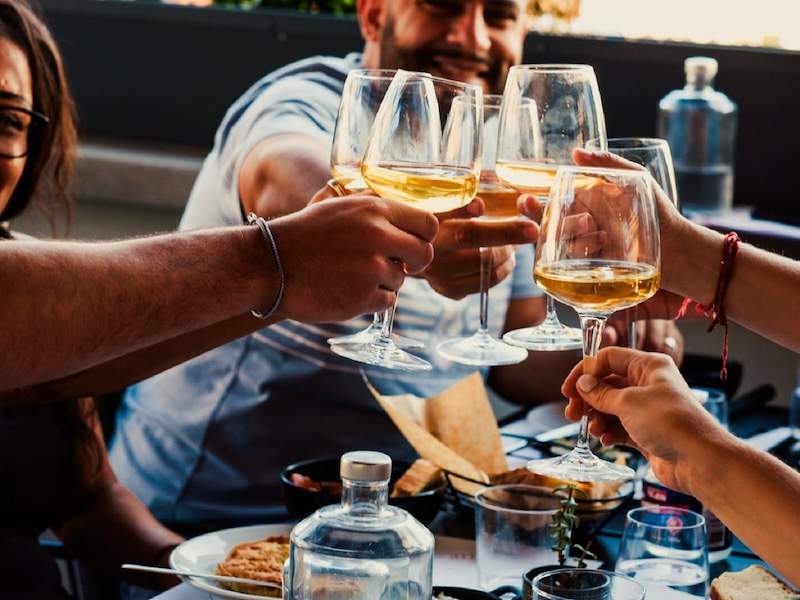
(592, 327)
(387, 320)
(551, 316)
(630, 319)
(486, 275)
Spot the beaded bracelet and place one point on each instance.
(253, 219)
(716, 310)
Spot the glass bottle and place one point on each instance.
(700, 125)
(361, 549)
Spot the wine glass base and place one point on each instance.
(381, 354)
(546, 338)
(372, 334)
(580, 466)
(481, 350)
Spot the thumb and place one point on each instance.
(591, 158)
(473, 209)
(598, 394)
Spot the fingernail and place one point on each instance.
(586, 383)
(530, 231)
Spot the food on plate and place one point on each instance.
(334, 488)
(592, 490)
(754, 582)
(420, 476)
(260, 559)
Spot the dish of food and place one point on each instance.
(253, 552)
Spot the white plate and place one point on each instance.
(203, 553)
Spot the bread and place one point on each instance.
(754, 583)
(260, 559)
(420, 476)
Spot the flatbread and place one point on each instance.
(261, 560)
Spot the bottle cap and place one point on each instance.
(700, 70)
(365, 466)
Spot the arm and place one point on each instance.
(632, 391)
(112, 526)
(76, 305)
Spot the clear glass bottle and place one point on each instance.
(700, 125)
(362, 549)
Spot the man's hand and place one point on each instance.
(652, 335)
(345, 257)
(641, 400)
(455, 270)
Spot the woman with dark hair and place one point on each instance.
(59, 477)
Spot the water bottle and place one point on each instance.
(700, 125)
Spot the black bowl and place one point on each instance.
(302, 502)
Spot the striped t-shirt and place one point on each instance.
(206, 441)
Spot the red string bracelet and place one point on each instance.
(716, 310)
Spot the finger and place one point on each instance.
(417, 222)
(589, 158)
(462, 234)
(458, 288)
(530, 207)
(575, 409)
(611, 336)
(379, 301)
(577, 225)
(466, 263)
(474, 209)
(406, 248)
(587, 245)
(600, 395)
(393, 275)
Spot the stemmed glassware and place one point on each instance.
(568, 114)
(425, 150)
(362, 94)
(598, 251)
(481, 349)
(654, 155)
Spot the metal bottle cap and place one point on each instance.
(364, 465)
(700, 70)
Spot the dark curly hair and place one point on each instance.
(51, 155)
(45, 181)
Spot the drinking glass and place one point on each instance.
(512, 532)
(654, 155)
(666, 546)
(424, 150)
(599, 251)
(361, 96)
(481, 349)
(596, 585)
(568, 114)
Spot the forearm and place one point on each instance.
(281, 174)
(70, 306)
(756, 496)
(761, 295)
(117, 528)
(117, 374)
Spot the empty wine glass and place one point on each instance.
(362, 94)
(654, 155)
(424, 150)
(598, 251)
(500, 201)
(568, 114)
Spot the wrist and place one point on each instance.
(262, 273)
(694, 272)
(701, 459)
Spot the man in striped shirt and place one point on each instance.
(205, 441)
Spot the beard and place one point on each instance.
(432, 57)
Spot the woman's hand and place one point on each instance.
(641, 400)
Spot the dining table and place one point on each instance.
(454, 559)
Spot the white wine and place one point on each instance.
(598, 285)
(433, 188)
(533, 178)
(500, 201)
(349, 177)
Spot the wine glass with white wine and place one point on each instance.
(654, 155)
(424, 150)
(500, 202)
(611, 262)
(568, 114)
(362, 94)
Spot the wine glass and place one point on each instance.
(599, 251)
(654, 155)
(568, 114)
(481, 349)
(361, 96)
(425, 150)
